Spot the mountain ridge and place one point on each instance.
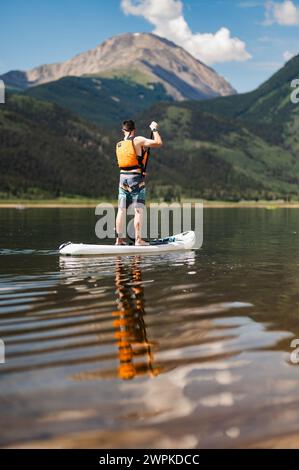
(183, 76)
(269, 102)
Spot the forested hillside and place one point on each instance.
(47, 151)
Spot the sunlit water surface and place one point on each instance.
(179, 350)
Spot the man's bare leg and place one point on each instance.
(120, 224)
(138, 221)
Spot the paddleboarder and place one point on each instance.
(132, 157)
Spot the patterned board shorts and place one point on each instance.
(131, 190)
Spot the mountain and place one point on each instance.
(228, 148)
(160, 60)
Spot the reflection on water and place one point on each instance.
(135, 351)
(178, 350)
(129, 323)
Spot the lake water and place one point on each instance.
(180, 350)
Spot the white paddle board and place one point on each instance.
(183, 241)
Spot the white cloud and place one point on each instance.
(169, 22)
(287, 55)
(284, 13)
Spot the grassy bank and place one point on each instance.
(92, 203)
(52, 203)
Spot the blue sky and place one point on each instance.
(35, 32)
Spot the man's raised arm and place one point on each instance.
(156, 142)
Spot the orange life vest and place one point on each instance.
(127, 157)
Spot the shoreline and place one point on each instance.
(27, 204)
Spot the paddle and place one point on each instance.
(148, 154)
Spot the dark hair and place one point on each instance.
(129, 126)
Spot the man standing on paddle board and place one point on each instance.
(132, 154)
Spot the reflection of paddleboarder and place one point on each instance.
(135, 352)
(129, 324)
(132, 154)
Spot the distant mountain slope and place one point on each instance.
(268, 110)
(182, 76)
(102, 100)
(268, 103)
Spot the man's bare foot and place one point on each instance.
(140, 242)
(120, 241)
